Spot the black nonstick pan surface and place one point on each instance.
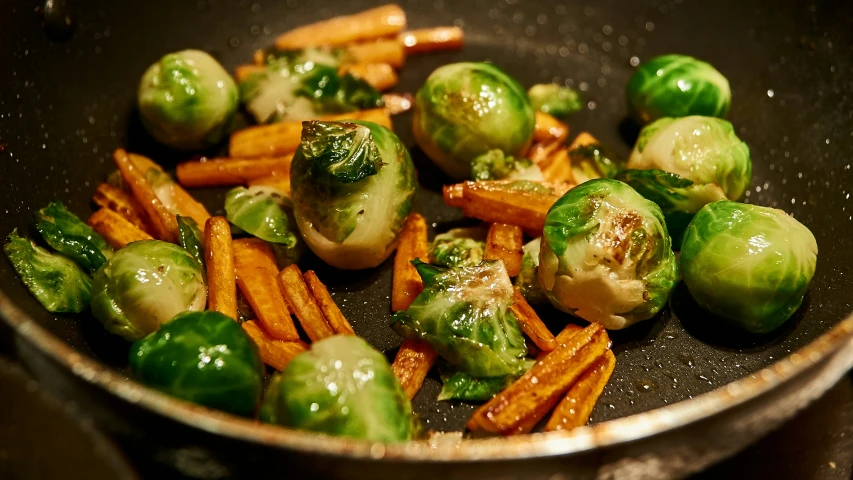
(65, 105)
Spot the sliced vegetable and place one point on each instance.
(495, 165)
(554, 99)
(504, 243)
(232, 171)
(123, 203)
(219, 260)
(302, 304)
(576, 407)
(191, 238)
(527, 281)
(413, 361)
(459, 247)
(330, 309)
(367, 25)
(274, 352)
(406, 284)
(264, 212)
(464, 387)
(115, 229)
(68, 235)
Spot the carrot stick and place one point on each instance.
(274, 352)
(582, 140)
(367, 25)
(302, 304)
(115, 229)
(504, 243)
(548, 128)
(162, 220)
(454, 195)
(496, 202)
(406, 284)
(279, 182)
(559, 168)
(244, 71)
(256, 276)
(123, 203)
(565, 334)
(531, 324)
(179, 200)
(231, 171)
(330, 309)
(387, 51)
(576, 407)
(412, 363)
(380, 76)
(432, 39)
(542, 153)
(219, 260)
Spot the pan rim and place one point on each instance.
(614, 432)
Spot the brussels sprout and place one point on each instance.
(748, 264)
(677, 86)
(705, 161)
(606, 255)
(463, 313)
(495, 165)
(344, 387)
(304, 85)
(459, 247)
(191, 239)
(56, 281)
(353, 186)
(555, 99)
(144, 285)
(187, 100)
(593, 161)
(264, 212)
(466, 109)
(461, 386)
(201, 357)
(527, 280)
(68, 235)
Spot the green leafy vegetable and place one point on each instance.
(555, 99)
(606, 255)
(187, 100)
(191, 239)
(527, 280)
(353, 186)
(751, 265)
(677, 86)
(68, 235)
(201, 357)
(144, 285)
(459, 247)
(466, 109)
(495, 165)
(56, 281)
(464, 387)
(593, 161)
(264, 212)
(343, 387)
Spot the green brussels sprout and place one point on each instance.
(191, 239)
(264, 212)
(593, 161)
(677, 86)
(303, 85)
(187, 100)
(682, 164)
(606, 255)
(459, 247)
(463, 313)
(68, 235)
(495, 165)
(555, 100)
(343, 387)
(527, 280)
(466, 109)
(748, 264)
(204, 358)
(56, 281)
(467, 388)
(144, 285)
(353, 186)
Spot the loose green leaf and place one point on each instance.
(555, 100)
(527, 280)
(56, 281)
(264, 212)
(68, 235)
(495, 165)
(191, 239)
(464, 387)
(459, 247)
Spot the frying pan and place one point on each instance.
(670, 407)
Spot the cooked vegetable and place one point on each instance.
(413, 361)
(467, 388)
(123, 203)
(406, 283)
(187, 100)
(303, 85)
(191, 239)
(68, 235)
(56, 281)
(677, 86)
(504, 242)
(531, 324)
(380, 76)
(527, 281)
(576, 407)
(264, 212)
(353, 184)
(516, 202)
(555, 100)
(144, 285)
(115, 229)
(176, 200)
(367, 25)
(201, 357)
(162, 219)
(330, 309)
(495, 165)
(232, 171)
(432, 39)
(606, 255)
(686, 163)
(589, 159)
(344, 387)
(459, 247)
(466, 109)
(274, 352)
(219, 265)
(463, 313)
(302, 304)
(749, 264)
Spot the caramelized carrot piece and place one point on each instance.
(115, 229)
(219, 172)
(123, 203)
(548, 128)
(412, 363)
(330, 309)
(504, 243)
(162, 220)
(274, 352)
(576, 407)
(432, 39)
(302, 304)
(219, 261)
(387, 51)
(367, 25)
(531, 324)
(406, 284)
(380, 76)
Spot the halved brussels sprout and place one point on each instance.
(353, 184)
(751, 265)
(527, 280)
(554, 99)
(68, 235)
(463, 313)
(459, 247)
(677, 86)
(495, 165)
(56, 281)
(686, 163)
(606, 255)
(264, 212)
(594, 161)
(466, 109)
(144, 285)
(201, 357)
(343, 387)
(187, 100)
